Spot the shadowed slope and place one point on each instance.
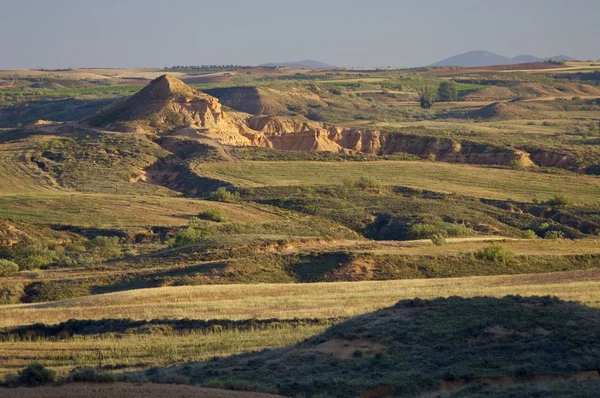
(452, 345)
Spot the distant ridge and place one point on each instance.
(485, 58)
(307, 63)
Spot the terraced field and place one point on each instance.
(460, 179)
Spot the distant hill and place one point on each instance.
(522, 59)
(486, 58)
(561, 58)
(307, 63)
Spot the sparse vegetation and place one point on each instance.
(389, 198)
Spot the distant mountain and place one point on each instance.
(561, 58)
(307, 63)
(523, 59)
(475, 58)
(486, 58)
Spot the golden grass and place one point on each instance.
(435, 176)
(456, 246)
(104, 210)
(319, 300)
(322, 300)
(139, 351)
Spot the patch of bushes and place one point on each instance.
(438, 240)
(429, 230)
(363, 183)
(223, 195)
(496, 254)
(558, 201)
(91, 375)
(8, 267)
(33, 375)
(12, 293)
(215, 215)
(556, 235)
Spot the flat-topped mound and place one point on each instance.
(426, 346)
(503, 111)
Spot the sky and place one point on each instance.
(399, 33)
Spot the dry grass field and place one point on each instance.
(163, 347)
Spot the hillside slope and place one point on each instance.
(453, 346)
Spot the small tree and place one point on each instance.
(447, 92)
(427, 97)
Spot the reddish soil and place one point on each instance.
(125, 390)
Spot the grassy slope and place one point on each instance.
(443, 177)
(418, 347)
(114, 211)
(321, 300)
(162, 346)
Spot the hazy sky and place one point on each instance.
(157, 33)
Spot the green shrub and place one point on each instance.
(558, 201)
(88, 374)
(427, 97)
(363, 183)
(215, 215)
(186, 237)
(8, 267)
(529, 234)
(107, 247)
(223, 195)
(33, 256)
(447, 92)
(495, 253)
(438, 240)
(558, 235)
(11, 293)
(426, 231)
(33, 375)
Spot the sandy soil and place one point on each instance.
(125, 390)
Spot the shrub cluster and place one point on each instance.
(33, 375)
(223, 195)
(8, 267)
(496, 254)
(215, 215)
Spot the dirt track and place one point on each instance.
(125, 390)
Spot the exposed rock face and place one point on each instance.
(167, 106)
